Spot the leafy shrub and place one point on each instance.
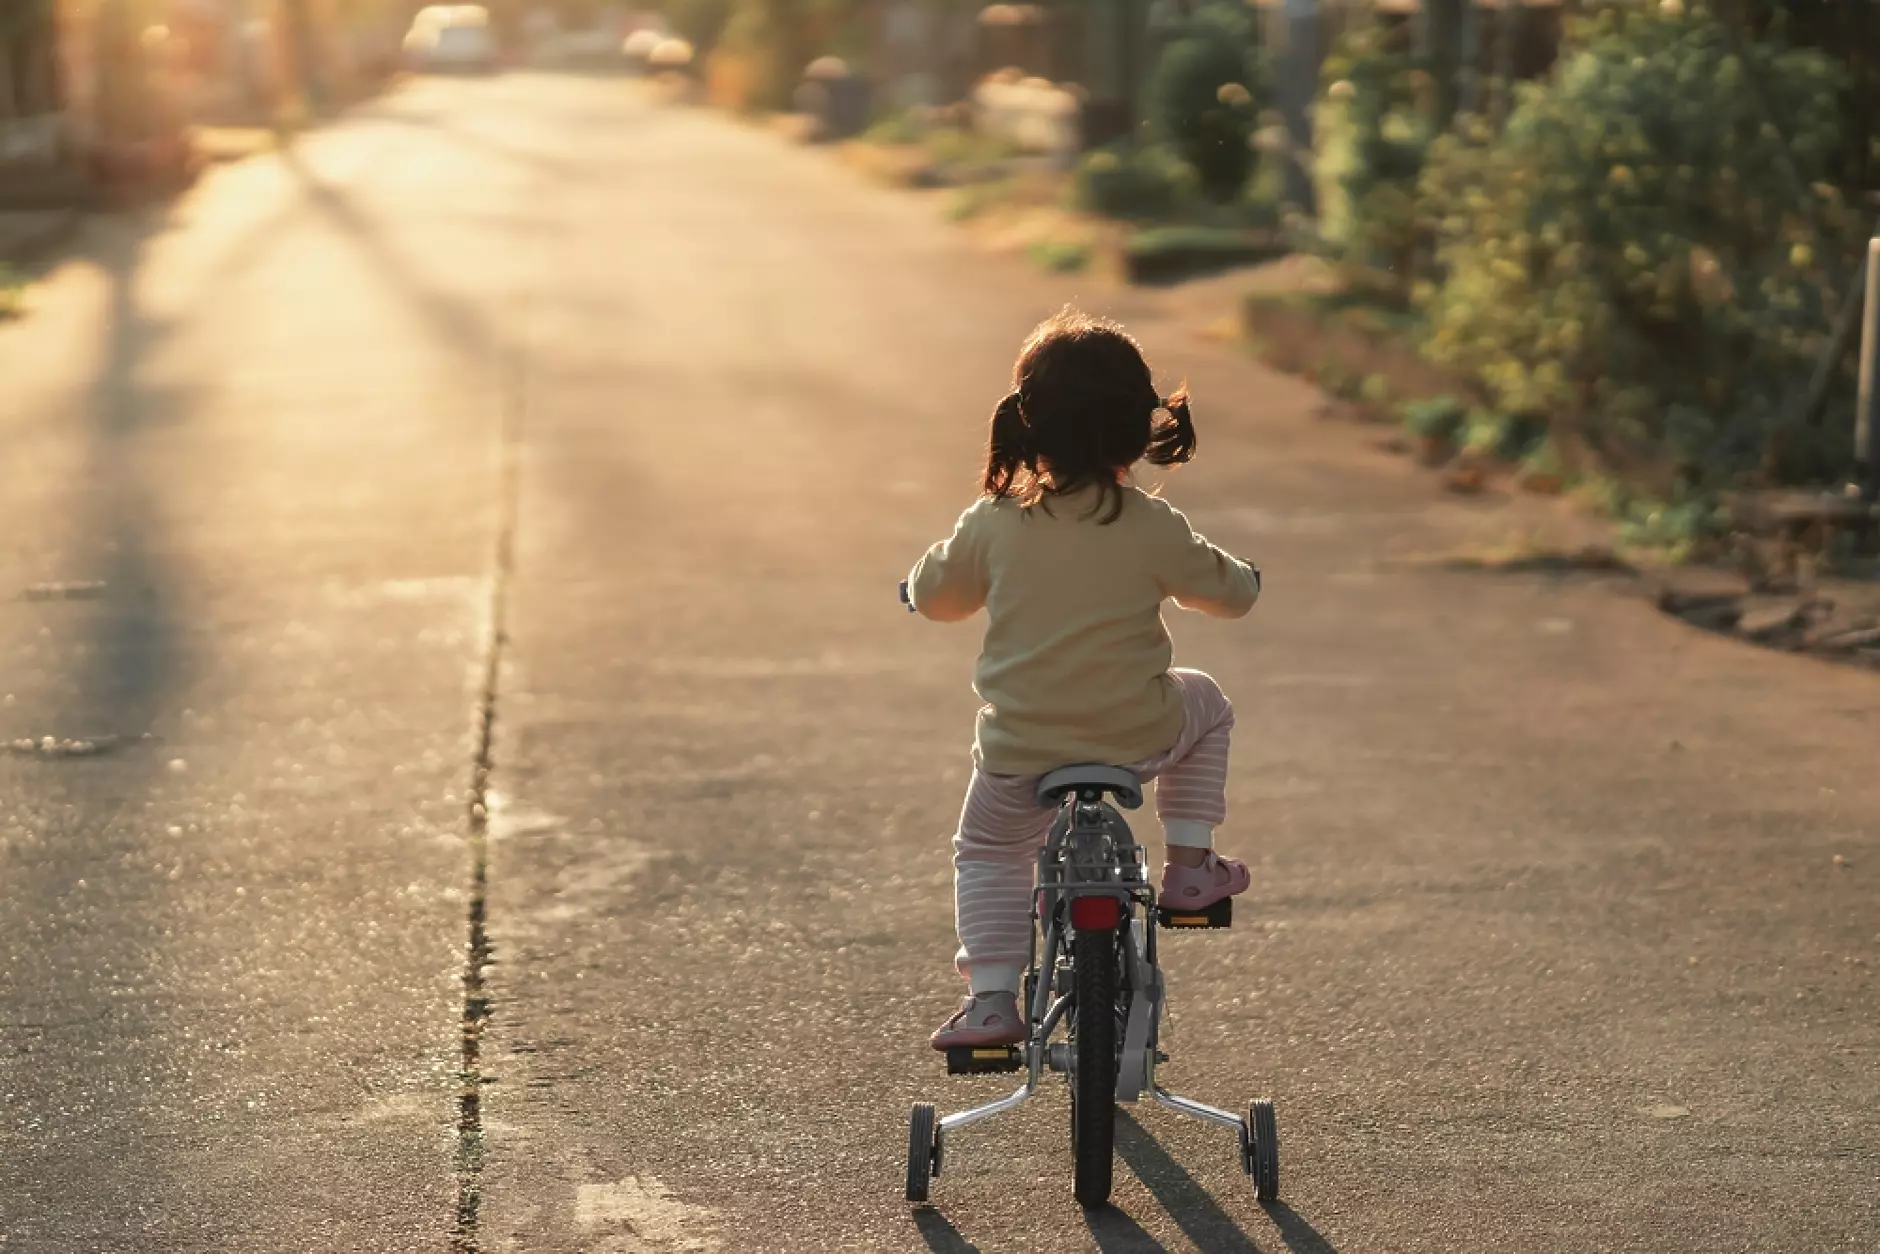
(1060, 256)
(1545, 459)
(1372, 137)
(1335, 378)
(900, 127)
(1261, 202)
(1628, 257)
(1677, 528)
(973, 199)
(1166, 253)
(1437, 418)
(1133, 182)
(1203, 97)
(953, 145)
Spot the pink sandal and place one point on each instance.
(987, 1019)
(1198, 887)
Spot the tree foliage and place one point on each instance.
(1204, 97)
(1628, 256)
(1372, 131)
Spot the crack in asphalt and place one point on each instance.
(477, 949)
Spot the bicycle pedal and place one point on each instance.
(1220, 914)
(984, 1059)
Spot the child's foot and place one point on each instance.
(1198, 887)
(987, 1019)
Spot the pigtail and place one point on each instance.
(1172, 439)
(1008, 447)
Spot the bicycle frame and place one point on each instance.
(1090, 869)
(1091, 852)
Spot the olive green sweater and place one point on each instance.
(1076, 657)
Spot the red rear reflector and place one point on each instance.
(1095, 914)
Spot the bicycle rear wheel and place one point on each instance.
(1093, 1094)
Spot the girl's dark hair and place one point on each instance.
(1082, 410)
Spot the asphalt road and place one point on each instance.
(1549, 946)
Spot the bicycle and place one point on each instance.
(1095, 973)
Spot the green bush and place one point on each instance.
(1628, 256)
(1678, 528)
(1169, 253)
(954, 145)
(1335, 378)
(1060, 256)
(1133, 182)
(1437, 418)
(900, 127)
(1372, 136)
(1203, 97)
(1221, 244)
(1543, 460)
(1504, 437)
(973, 199)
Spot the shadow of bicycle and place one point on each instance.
(940, 1234)
(1202, 1219)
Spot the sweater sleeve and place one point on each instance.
(950, 583)
(1201, 576)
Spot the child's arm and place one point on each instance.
(1200, 576)
(950, 582)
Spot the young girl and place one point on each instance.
(1072, 562)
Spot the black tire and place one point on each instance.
(923, 1142)
(1259, 1148)
(1093, 1095)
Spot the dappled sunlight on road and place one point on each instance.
(259, 424)
(469, 534)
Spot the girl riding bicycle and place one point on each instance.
(1072, 562)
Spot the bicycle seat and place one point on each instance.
(1118, 781)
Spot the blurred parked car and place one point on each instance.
(452, 38)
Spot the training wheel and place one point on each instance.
(1259, 1149)
(923, 1151)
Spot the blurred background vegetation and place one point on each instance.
(1646, 253)
(1625, 237)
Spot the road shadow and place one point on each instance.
(1113, 1231)
(453, 318)
(1300, 1237)
(94, 519)
(323, 197)
(940, 1234)
(1192, 1207)
(137, 654)
(1116, 1233)
(1201, 1218)
(113, 664)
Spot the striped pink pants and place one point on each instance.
(1002, 827)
